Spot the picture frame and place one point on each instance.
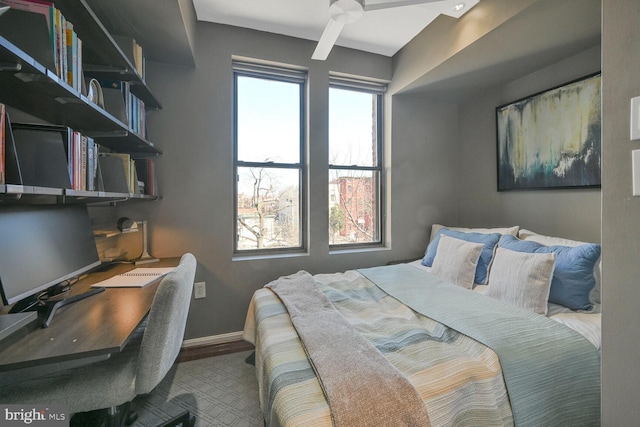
(552, 139)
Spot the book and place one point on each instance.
(136, 278)
(72, 77)
(92, 163)
(133, 51)
(146, 174)
(62, 48)
(82, 154)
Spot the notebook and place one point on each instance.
(136, 278)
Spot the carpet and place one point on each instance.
(219, 391)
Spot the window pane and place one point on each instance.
(268, 208)
(268, 120)
(353, 207)
(352, 128)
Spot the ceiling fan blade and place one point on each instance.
(327, 40)
(397, 3)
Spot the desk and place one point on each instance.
(90, 328)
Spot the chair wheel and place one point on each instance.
(130, 418)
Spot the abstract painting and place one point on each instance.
(551, 139)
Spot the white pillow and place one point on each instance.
(594, 295)
(522, 279)
(456, 261)
(503, 230)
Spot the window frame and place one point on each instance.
(378, 90)
(287, 75)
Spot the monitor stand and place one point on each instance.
(48, 307)
(51, 306)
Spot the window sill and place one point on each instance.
(354, 249)
(253, 257)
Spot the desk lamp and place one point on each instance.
(126, 225)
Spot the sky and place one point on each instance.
(268, 125)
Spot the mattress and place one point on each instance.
(459, 379)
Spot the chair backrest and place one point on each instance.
(166, 322)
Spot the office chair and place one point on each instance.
(138, 369)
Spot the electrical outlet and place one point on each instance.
(200, 290)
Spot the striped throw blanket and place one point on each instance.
(459, 379)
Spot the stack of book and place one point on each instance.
(145, 169)
(65, 44)
(82, 159)
(134, 52)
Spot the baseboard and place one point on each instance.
(215, 345)
(213, 340)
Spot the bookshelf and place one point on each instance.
(28, 85)
(103, 57)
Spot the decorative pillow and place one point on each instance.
(594, 295)
(522, 279)
(502, 230)
(573, 277)
(488, 240)
(456, 261)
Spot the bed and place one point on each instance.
(492, 327)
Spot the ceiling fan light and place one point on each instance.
(346, 11)
(458, 7)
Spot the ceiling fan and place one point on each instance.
(343, 12)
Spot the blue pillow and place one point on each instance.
(488, 240)
(573, 275)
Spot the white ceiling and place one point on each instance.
(382, 31)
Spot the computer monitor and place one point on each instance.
(43, 246)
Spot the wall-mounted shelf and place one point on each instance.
(30, 83)
(27, 85)
(25, 194)
(102, 56)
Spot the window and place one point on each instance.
(268, 135)
(355, 162)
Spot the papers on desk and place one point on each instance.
(136, 278)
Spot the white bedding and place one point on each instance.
(586, 323)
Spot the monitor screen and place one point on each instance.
(41, 246)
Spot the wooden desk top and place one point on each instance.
(95, 326)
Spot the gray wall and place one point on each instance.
(194, 130)
(620, 217)
(424, 155)
(573, 214)
(446, 37)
